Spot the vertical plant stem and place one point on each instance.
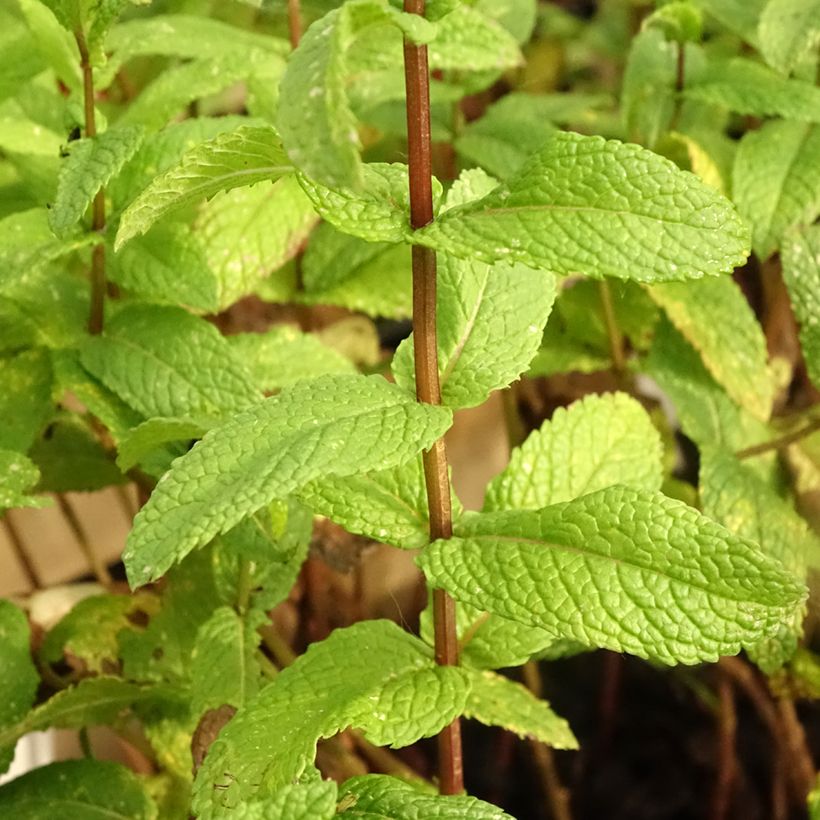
(803, 771)
(428, 387)
(95, 316)
(294, 22)
(726, 762)
(613, 332)
(99, 569)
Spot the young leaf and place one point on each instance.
(90, 165)
(348, 679)
(801, 272)
(660, 580)
(18, 675)
(285, 355)
(381, 796)
(301, 801)
(490, 322)
(592, 444)
(223, 667)
(572, 204)
(248, 233)
(81, 789)
(738, 16)
(747, 87)
(776, 177)
(243, 157)
(164, 362)
(17, 476)
(334, 425)
(789, 32)
(715, 318)
(497, 701)
(143, 439)
(388, 506)
(379, 213)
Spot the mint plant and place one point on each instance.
(166, 172)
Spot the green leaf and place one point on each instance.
(248, 233)
(707, 414)
(379, 796)
(747, 87)
(372, 676)
(735, 496)
(145, 438)
(660, 580)
(25, 398)
(715, 318)
(679, 21)
(372, 277)
(285, 355)
(300, 801)
(378, 213)
(79, 789)
(168, 265)
(776, 177)
(71, 458)
(89, 631)
(592, 444)
(739, 16)
(801, 273)
(164, 362)
(789, 32)
(648, 92)
(573, 203)
(17, 476)
(243, 157)
(223, 667)
(92, 702)
(389, 506)
(497, 701)
(89, 166)
(334, 425)
(23, 136)
(18, 676)
(490, 322)
(52, 43)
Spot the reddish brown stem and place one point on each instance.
(428, 387)
(294, 22)
(96, 312)
(726, 762)
(803, 771)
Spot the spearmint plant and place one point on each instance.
(161, 163)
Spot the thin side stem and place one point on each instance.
(428, 387)
(96, 313)
(294, 22)
(780, 442)
(727, 761)
(803, 771)
(613, 332)
(99, 569)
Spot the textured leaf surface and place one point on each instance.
(714, 316)
(594, 443)
(25, 398)
(17, 476)
(801, 272)
(382, 796)
(303, 801)
(243, 157)
(659, 579)
(249, 233)
(223, 666)
(490, 322)
(335, 425)
(498, 701)
(776, 178)
(18, 675)
(79, 789)
(604, 208)
(285, 355)
(388, 506)
(164, 362)
(788, 31)
(369, 676)
(143, 439)
(90, 165)
(747, 87)
(377, 213)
